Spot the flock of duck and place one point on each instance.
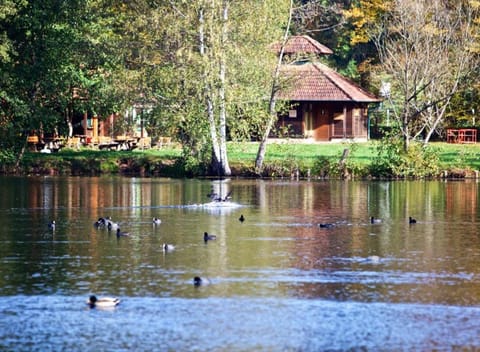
(110, 225)
(111, 302)
(107, 223)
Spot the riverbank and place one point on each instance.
(282, 160)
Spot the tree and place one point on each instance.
(215, 73)
(8, 9)
(59, 50)
(427, 52)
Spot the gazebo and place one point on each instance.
(324, 105)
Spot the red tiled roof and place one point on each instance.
(303, 44)
(317, 82)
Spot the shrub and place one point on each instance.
(7, 160)
(392, 160)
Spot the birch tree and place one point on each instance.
(216, 54)
(214, 79)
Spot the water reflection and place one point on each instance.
(278, 255)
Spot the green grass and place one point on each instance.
(451, 156)
(306, 153)
(459, 155)
(280, 156)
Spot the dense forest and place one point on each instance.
(205, 71)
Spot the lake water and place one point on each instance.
(278, 282)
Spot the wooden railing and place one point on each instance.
(461, 135)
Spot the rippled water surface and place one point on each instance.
(277, 281)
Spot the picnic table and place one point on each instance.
(117, 143)
(126, 142)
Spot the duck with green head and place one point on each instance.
(103, 302)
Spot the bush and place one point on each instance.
(7, 160)
(392, 160)
(323, 167)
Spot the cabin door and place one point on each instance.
(321, 123)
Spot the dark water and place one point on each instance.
(278, 280)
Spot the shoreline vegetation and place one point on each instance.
(286, 159)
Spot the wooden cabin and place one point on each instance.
(324, 105)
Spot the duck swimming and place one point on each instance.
(411, 220)
(374, 220)
(326, 225)
(157, 221)
(122, 234)
(168, 247)
(207, 237)
(199, 281)
(241, 218)
(51, 225)
(103, 302)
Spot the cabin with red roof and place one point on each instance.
(323, 104)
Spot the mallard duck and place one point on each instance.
(374, 220)
(157, 221)
(168, 247)
(411, 220)
(241, 218)
(122, 234)
(199, 281)
(207, 237)
(103, 302)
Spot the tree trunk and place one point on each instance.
(20, 155)
(208, 93)
(219, 163)
(262, 148)
(224, 166)
(439, 117)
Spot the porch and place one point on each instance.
(325, 121)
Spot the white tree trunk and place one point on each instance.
(224, 166)
(208, 89)
(262, 148)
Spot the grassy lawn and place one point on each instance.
(307, 153)
(242, 156)
(459, 155)
(451, 155)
